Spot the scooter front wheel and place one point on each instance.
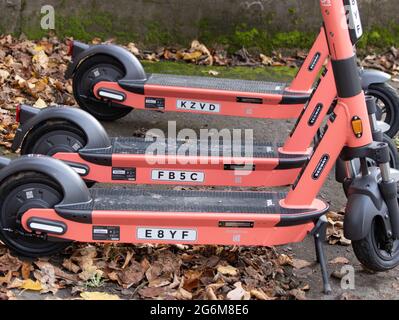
(376, 252)
(90, 72)
(19, 194)
(388, 105)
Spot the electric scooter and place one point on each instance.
(45, 204)
(109, 81)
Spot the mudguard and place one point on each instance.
(97, 138)
(74, 189)
(369, 77)
(364, 205)
(133, 67)
(4, 162)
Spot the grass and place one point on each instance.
(282, 74)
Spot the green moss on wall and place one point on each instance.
(88, 24)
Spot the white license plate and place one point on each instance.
(177, 176)
(355, 22)
(198, 106)
(162, 234)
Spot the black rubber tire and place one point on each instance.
(388, 99)
(67, 138)
(12, 202)
(371, 256)
(111, 70)
(72, 139)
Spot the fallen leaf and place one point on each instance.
(300, 264)
(31, 285)
(97, 296)
(9, 263)
(40, 103)
(227, 270)
(285, 260)
(213, 73)
(260, 295)
(239, 293)
(25, 270)
(340, 260)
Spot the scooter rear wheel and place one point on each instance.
(18, 194)
(388, 105)
(376, 252)
(55, 137)
(90, 72)
(52, 138)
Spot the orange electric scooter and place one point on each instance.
(109, 82)
(45, 204)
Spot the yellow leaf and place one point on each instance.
(31, 285)
(227, 270)
(98, 296)
(40, 104)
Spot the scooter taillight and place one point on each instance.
(18, 114)
(70, 48)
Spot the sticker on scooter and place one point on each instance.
(106, 233)
(320, 167)
(167, 234)
(124, 174)
(198, 106)
(154, 103)
(178, 176)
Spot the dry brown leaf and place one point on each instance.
(25, 270)
(340, 260)
(97, 296)
(239, 293)
(70, 266)
(227, 270)
(9, 263)
(260, 295)
(300, 264)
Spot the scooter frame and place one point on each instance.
(134, 90)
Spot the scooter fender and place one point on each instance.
(97, 138)
(4, 162)
(74, 189)
(133, 68)
(365, 203)
(369, 77)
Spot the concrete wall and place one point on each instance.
(177, 20)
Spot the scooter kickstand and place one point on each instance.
(319, 233)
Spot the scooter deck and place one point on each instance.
(192, 217)
(129, 161)
(206, 95)
(216, 83)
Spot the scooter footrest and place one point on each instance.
(216, 84)
(192, 201)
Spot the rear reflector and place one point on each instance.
(18, 114)
(70, 48)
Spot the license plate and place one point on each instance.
(198, 106)
(178, 176)
(182, 235)
(355, 22)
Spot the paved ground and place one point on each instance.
(368, 286)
